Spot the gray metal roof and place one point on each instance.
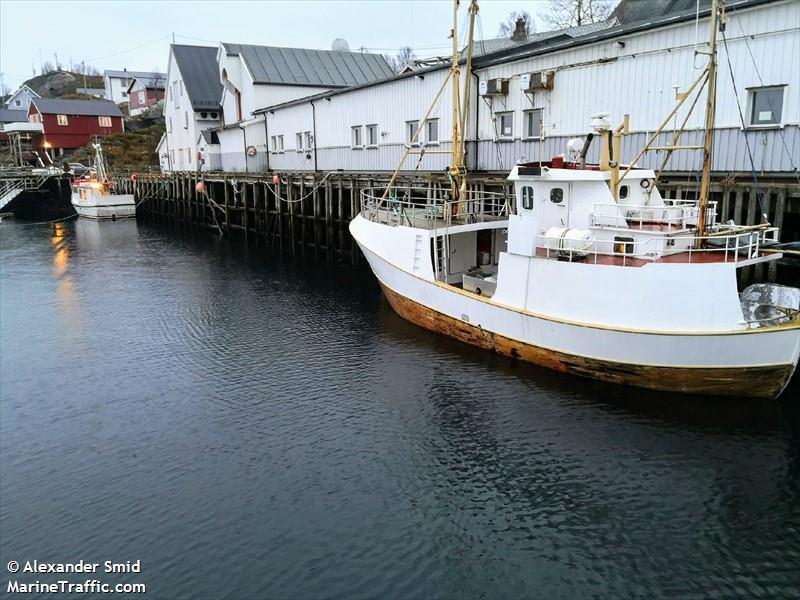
(12, 116)
(482, 47)
(300, 66)
(632, 11)
(129, 74)
(151, 83)
(200, 73)
(58, 106)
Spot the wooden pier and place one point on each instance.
(307, 212)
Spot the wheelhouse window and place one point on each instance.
(412, 127)
(766, 105)
(527, 198)
(372, 136)
(505, 126)
(62, 119)
(356, 140)
(432, 132)
(533, 124)
(623, 191)
(556, 195)
(106, 122)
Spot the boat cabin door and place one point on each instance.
(554, 201)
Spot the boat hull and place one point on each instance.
(754, 381)
(105, 207)
(755, 363)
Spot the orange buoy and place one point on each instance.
(276, 180)
(200, 187)
(133, 178)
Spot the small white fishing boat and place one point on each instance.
(94, 196)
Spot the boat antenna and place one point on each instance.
(473, 12)
(716, 7)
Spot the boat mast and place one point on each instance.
(455, 71)
(711, 102)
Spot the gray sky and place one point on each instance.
(136, 34)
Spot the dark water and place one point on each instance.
(250, 425)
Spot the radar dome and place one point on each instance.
(340, 45)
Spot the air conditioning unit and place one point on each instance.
(541, 80)
(495, 87)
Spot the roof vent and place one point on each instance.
(340, 45)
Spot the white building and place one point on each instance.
(529, 99)
(117, 82)
(191, 106)
(254, 77)
(21, 99)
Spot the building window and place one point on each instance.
(141, 97)
(172, 152)
(104, 121)
(533, 124)
(169, 124)
(372, 136)
(175, 94)
(188, 156)
(505, 123)
(356, 137)
(186, 119)
(277, 143)
(411, 132)
(280, 143)
(124, 94)
(557, 195)
(181, 82)
(62, 119)
(766, 105)
(18, 102)
(308, 140)
(432, 132)
(35, 118)
(299, 142)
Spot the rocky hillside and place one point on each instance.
(63, 84)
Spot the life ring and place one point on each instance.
(250, 151)
(646, 184)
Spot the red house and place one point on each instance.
(68, 124)
(145, 91)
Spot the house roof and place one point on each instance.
(57, 106)
(628, 11)
(158, 82)
(12, 116)
(301, 66)
(22, 88)
(127, 74)
(482, 47)
(200, 73)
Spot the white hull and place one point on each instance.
(95, 205)
(571, 345)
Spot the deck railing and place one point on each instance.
(731, 247)
(676, 215)
(427, 208)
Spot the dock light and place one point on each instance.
(47, 144)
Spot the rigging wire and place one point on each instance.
(759, 189)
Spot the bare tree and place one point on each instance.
(569, 13)
(509, 26)
(47, 67)
(405, 56)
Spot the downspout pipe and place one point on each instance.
(244, 141)
(314, 132)
(266, 139)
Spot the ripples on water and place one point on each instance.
(252, 425)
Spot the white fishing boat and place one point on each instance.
(588, 270)
(94, 196)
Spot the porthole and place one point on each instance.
(556, 195)
(213, 115)
(203, 115)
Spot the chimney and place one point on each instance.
(520, 31)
